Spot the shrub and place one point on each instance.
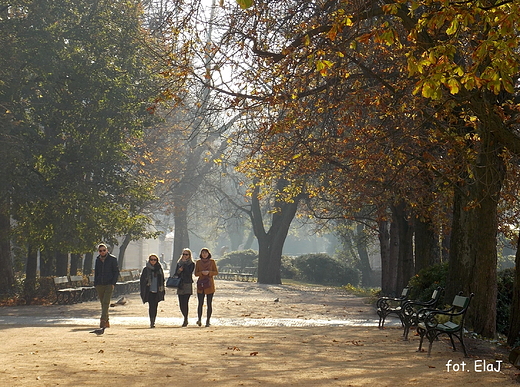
(427, 280)
(288, 270)
(241, 259)
(323, 269)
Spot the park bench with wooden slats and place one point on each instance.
(135, 285)
(229, 273)
(86, 292)
(65, 292)
(435, 322)
(123, 286)
(247, 274)
(391, 305)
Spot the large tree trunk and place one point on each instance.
(75, 263)
(62, 263)
(6, 265)
(405, 263)
(364, 262)
(473, 252)
(122, 251)
(387, 237)
(513, 338)
(47, 263)
(31, 268)
(87, 263)
(270, 244)
(426, 245)
(181, 238)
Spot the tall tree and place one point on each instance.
(77, 89)
(461, 56)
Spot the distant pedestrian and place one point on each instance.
(205, 269)
(184, 270)
(152, 286)
(106, 274)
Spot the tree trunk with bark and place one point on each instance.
(181, 237)
(75, 263)
(473, 252)
(364, 262)
(427, 251)
(513, 337)
(62, 264)
(47, 263)
(405, 262)
(87, 263)
(270, 244)
(388, 258)
(6, 264)
(122, 250)
(31, 268)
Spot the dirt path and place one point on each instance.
(308, 337)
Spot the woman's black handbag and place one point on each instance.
(173, 282)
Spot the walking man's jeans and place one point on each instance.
(104, 294)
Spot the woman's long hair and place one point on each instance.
(190, 259)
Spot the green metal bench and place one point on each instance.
(410, 310)
(435, 322)
(391, 305)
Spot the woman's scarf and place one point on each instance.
(205, 264)
(156, 271)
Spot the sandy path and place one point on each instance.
(251, 342)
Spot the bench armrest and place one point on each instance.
(387, 302)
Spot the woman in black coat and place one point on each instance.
(152, 286)
(184, 269)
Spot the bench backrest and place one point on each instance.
(460, 302)
(91, 279)
(436, 296)
(61, 280)
(76, 278)
(135, 274)
(126, 276)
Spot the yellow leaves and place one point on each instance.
(453, 28)
(389, 37)
(333, 32)
(347, 21)
(323, 65)
(391, 9)
(244, 4)
(453, 85)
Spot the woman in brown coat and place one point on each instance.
(205, 269)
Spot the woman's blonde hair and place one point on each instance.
(190, 256)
